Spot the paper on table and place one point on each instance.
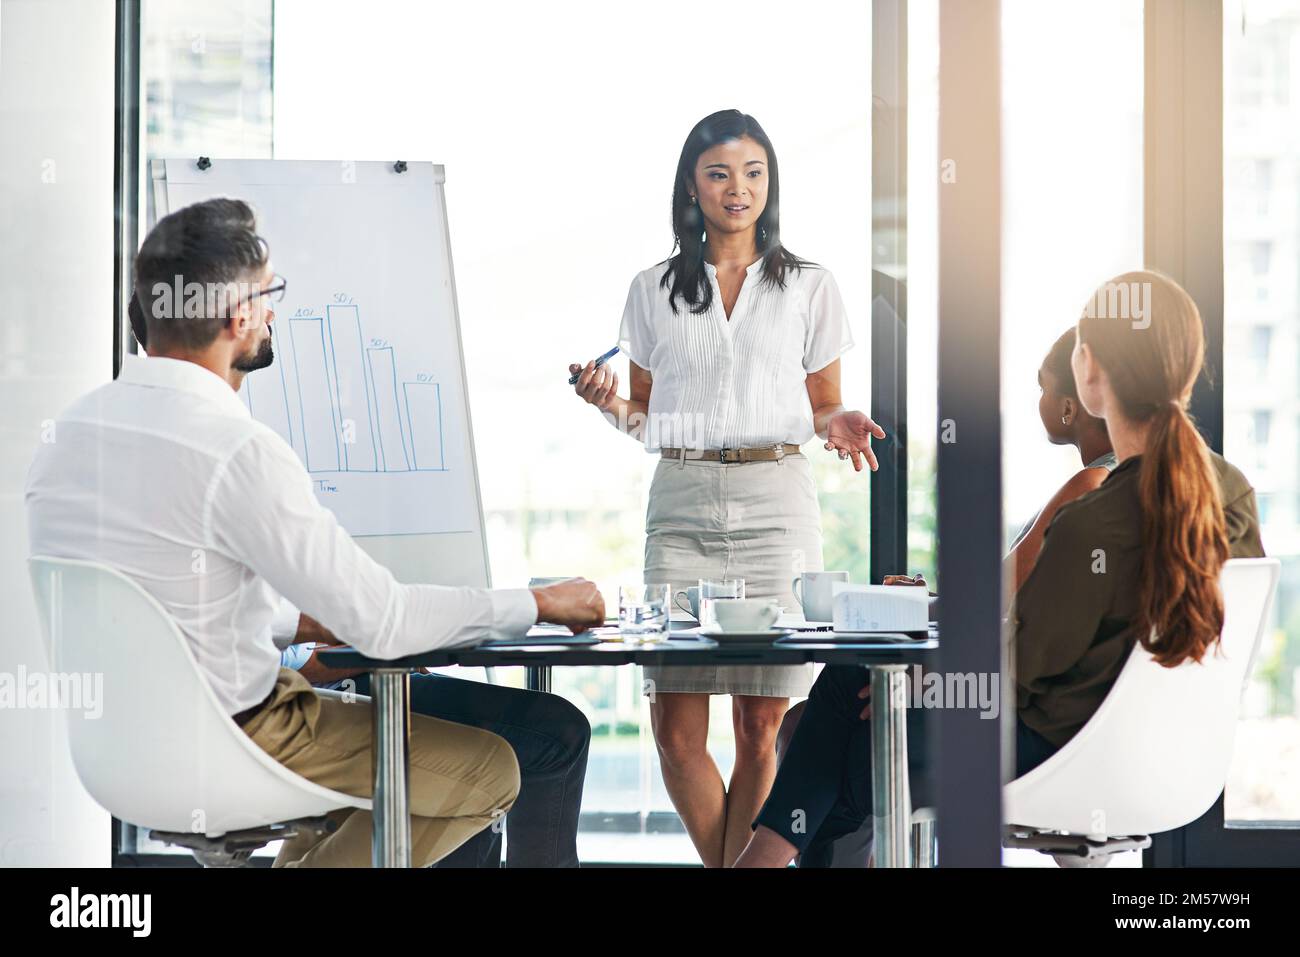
(879, 607)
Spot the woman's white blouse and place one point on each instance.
(737, 383)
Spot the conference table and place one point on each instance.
(886, 656)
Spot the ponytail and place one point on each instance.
(1145, 332)
(1184, 542)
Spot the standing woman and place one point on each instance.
(733, 346)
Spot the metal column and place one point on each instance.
(969, 429)
(891, 801)
(391, 812)
(888, 541)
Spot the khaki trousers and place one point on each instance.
(462, 779)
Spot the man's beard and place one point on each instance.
(260, 359)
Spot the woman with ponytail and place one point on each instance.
(1135, 561)
(1138, 560)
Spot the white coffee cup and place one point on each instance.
(815, 594)
(746, 614)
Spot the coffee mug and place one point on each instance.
(815, 594)
(692, 596)
(746, 614)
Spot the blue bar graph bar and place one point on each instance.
(388, 417)
(320, 431)
(424, 414)
(356, 420)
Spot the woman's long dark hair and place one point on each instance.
(685, 275)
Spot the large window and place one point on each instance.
(922, 283)
(1072, 205)
(205, 90)
(1071, 216)
(205, 77)
(560, 138)
(1261, 251)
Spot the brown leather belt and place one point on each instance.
(768, 453)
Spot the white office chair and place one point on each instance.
(164, 755)
(1155, 756)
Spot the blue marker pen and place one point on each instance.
(573, 379)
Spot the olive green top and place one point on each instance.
(1072, 615)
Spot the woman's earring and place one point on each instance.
(1065, 420)
(692, 200)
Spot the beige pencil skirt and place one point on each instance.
(758, 521)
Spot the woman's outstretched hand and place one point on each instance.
(850, 434)
(599, 386)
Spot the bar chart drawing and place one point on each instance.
(424, 412)
(367, 390)
(355, 412)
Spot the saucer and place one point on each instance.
(725, 637)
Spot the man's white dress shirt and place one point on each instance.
(164, 475)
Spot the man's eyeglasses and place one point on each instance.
(274, 290)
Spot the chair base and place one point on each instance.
(1074, 850)
(234, 848)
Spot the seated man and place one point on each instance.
(227, 524)
(548, 735)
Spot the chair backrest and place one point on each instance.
(1155, 756)
(161, 753)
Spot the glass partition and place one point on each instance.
(1261, 329)
(205, 90)
(1072, 194)
(560, 140)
